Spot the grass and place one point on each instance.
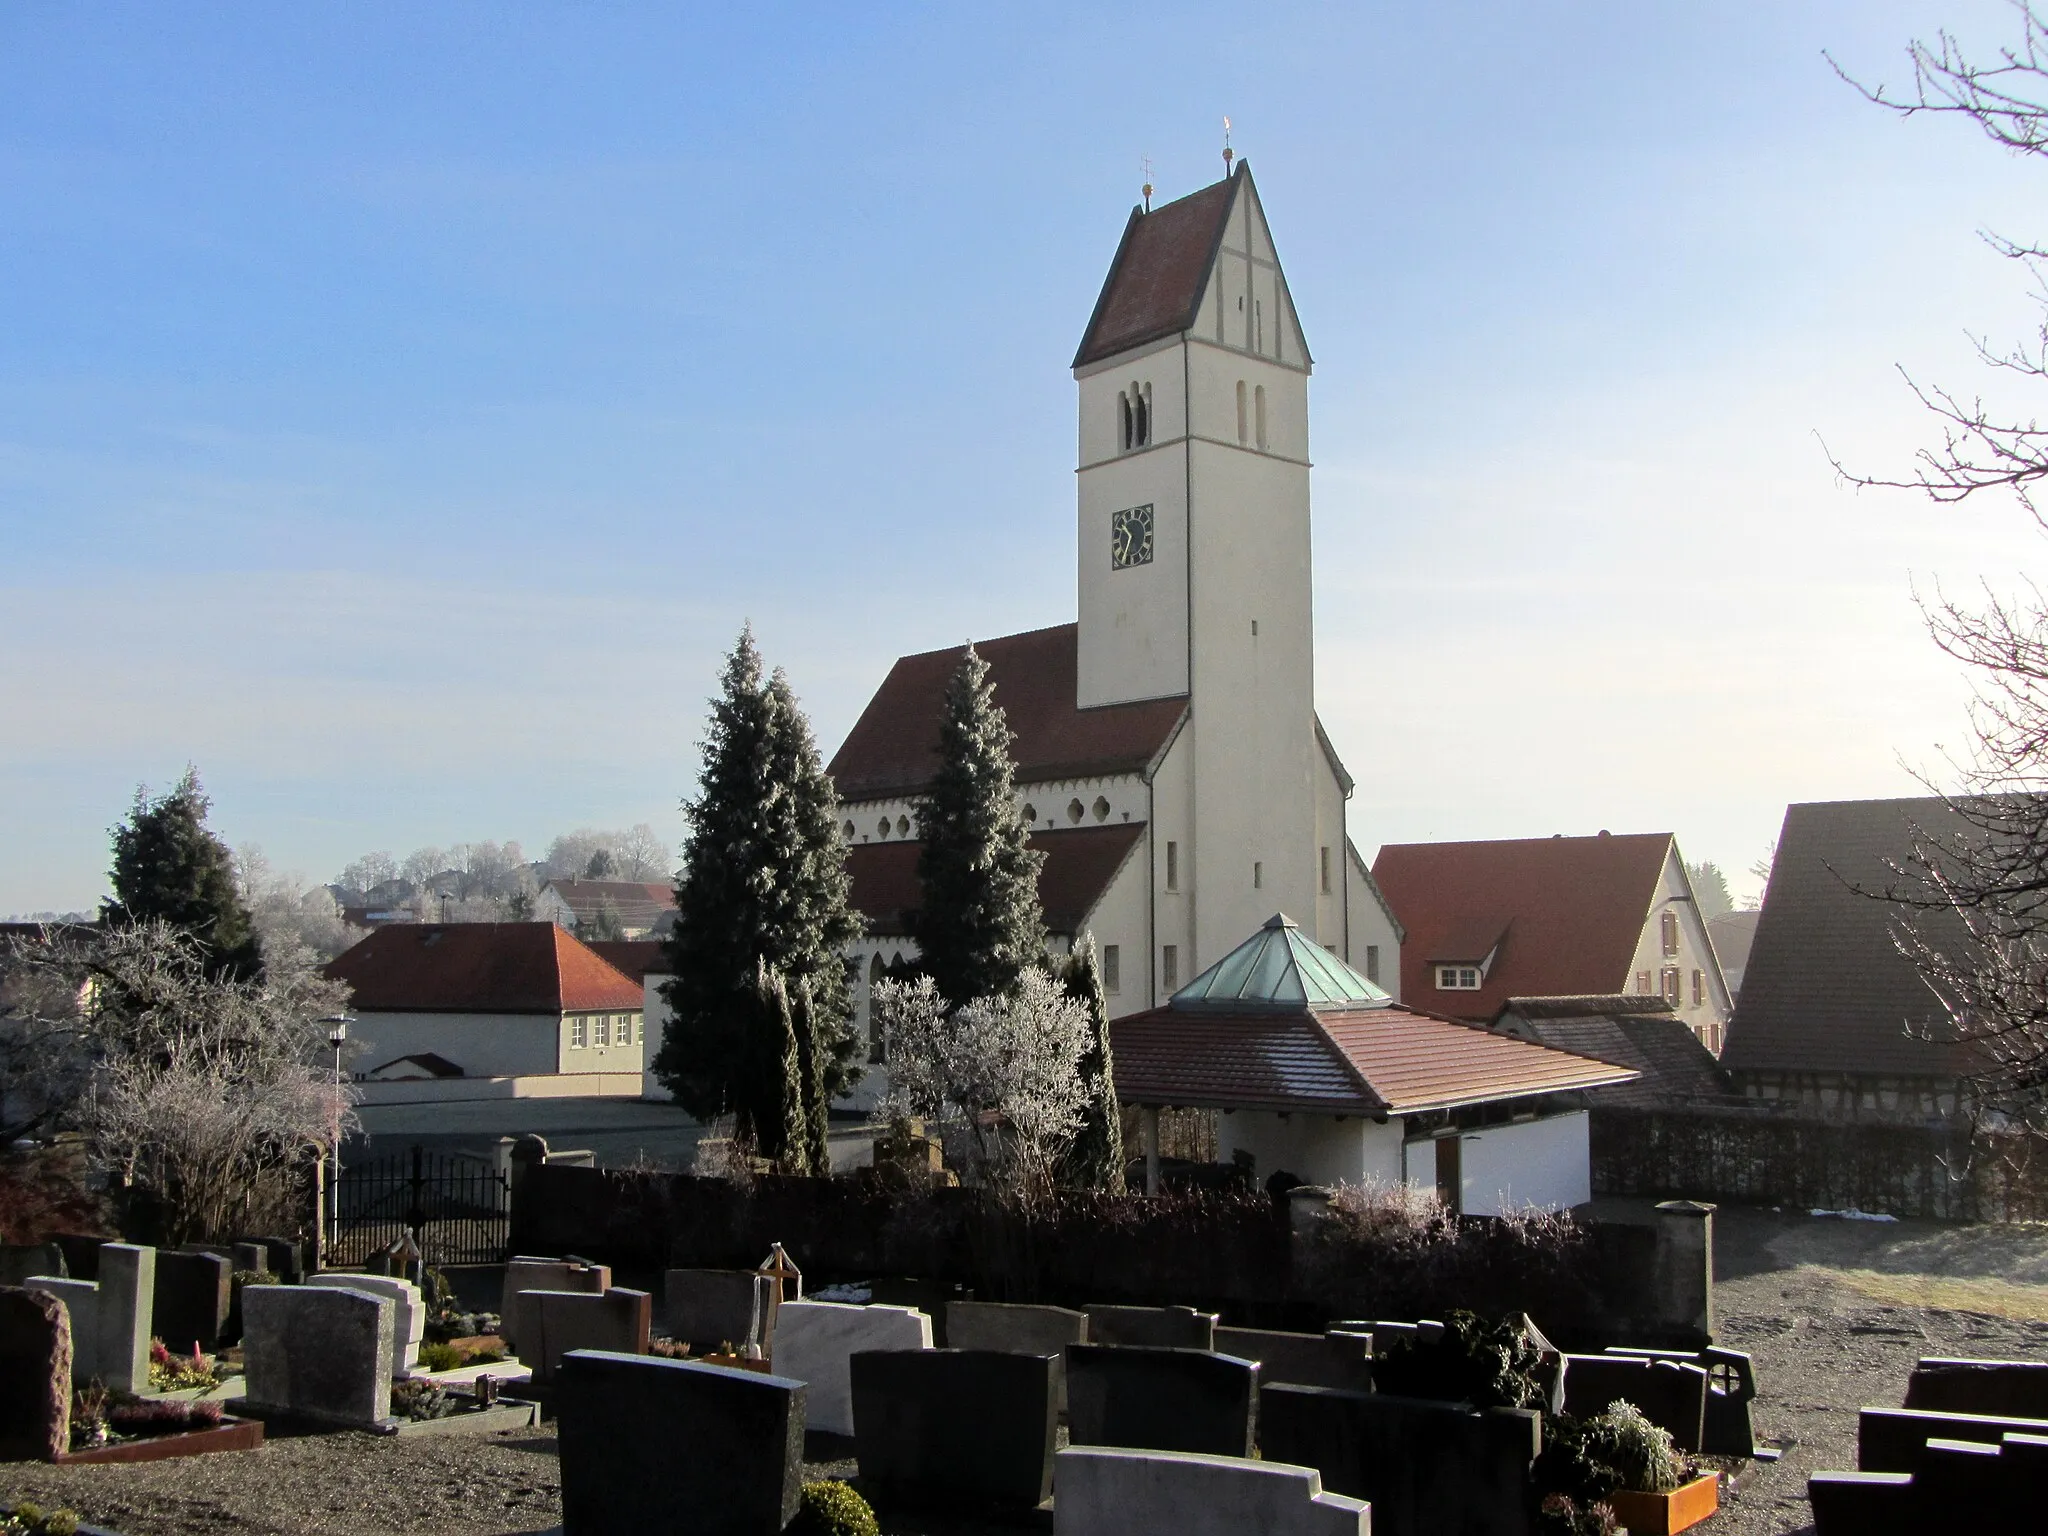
(1993, 1297)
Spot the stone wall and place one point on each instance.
(1769, 1157)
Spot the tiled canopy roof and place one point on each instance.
(1565, 912)
(1079, 865)
(1826, 989)
(893, 748)
(1154, 287)
(480, 968)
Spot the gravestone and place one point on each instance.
(954, 1428)
(1863, 1504)
(318, 1352)
(814, 1340)
(1892, 1439)
(1427, 1468)
(1336, 1359)
(1731, 1388)
(1105, 1491)
(285, 1258)
(2014, 1387)
(81, 1254)
(555, 1322)
(668, 1447)
(1152, 1327)
(1671, 1395)
(408, 1311)
(191, 1299)
(35, 1375)
(1018, 1329)
(714, 1307)
(252, 1258)
(20, 1260)
(530, 1274)
(1154, 1399)
(111, 1317)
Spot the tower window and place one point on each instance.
(1372, 962)
(1244, 424)
(1075, 811)
(1127, 437)
(1101, 808)
(1259, 412)
(849, 831)
(903, 826)
(1144, 416)
(1258, 325)
(1030, 814)
(1112, 968)
(1169, 967)
(1323, 867)
(1173, 866)
(882, 827)
(1258, 875)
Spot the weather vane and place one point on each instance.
(1227, 155)
(1147, 163)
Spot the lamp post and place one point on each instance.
(337, 1037)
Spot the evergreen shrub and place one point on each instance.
(833, 1509)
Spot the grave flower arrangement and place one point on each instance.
(28, 1519)
(1588, 1463)
(175, 1373)
(1505, 1364)
(100, 1417)
(416, 1399)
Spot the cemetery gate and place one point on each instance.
(458, 1205)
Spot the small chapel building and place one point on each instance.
(1170, 761)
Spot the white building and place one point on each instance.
(1169, 756)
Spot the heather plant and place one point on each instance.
(170, 1372)
(833, 1509)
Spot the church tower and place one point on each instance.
(1194, 568)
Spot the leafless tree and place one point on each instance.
(636, 853)
(204, 1094)
(1974, 892)
(288, 913)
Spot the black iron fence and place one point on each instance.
(458, 1207)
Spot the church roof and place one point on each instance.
(1155, 285)
(893, 748)
(1278, 968)
(1080, 863)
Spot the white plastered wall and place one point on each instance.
(1543, 1162)
(1318, 1149)
(482, 1044)
(1372, 926)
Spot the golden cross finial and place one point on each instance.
(1147, 163)
(1227, 155)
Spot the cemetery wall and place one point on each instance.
(1239, 1253)
(1764, 1156)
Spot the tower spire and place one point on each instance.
(1227, 155)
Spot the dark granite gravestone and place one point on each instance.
(954, 1428)
(81, 1254)
(1863, 1504)
(552, 1323)
(286, 1262)
(714, 1307)
(253, 1258)
(1671, 1395)
(1731, 1388)
(2014, 1387)
(668, 1447)
(35, 1375)
(1892, 1439)
(1342, 1360)
(1161, 1399)
(20, 1260)
(192, 1294)
(1427, 1468)
(1152, 1327)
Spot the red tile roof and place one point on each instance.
(1154, 287)
(1079, 865)
(893, 748)
(480, 968)
(1361, 1061)
(1568, 913)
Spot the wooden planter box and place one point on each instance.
(1663, 1514)
(233, 1435)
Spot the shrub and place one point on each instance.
(1489, 1365)
(1559, 1516)
(32, 1520)
(440, 1357)
(416, 1399)
(1617, 1450)
(833, 1509)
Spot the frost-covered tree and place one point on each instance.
(288, 914)
(1096, 1159)
(980, 926)
(1017, 1054)
(815, 1096)
(763, 882)
(169, 868)
(1710, 888)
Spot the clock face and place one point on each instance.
(1130, 537)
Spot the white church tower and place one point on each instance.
(1194, 552)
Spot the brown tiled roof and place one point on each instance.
(638, 904)
(1571, 910)
(1639, 1032)
(1367, 1060)
(893, 748)
(631, 957)
(1825, 989)
(1079, 864)
(479, 968)
(1154, 287)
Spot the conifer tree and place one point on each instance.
(811, 1070)
(779, 1116)
(1095, 1160)
(169, 867)
(980, 924)
(763, 882)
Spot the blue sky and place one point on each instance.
(402, 407)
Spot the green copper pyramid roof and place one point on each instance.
(1279, 969)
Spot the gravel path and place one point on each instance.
(1834, 1312)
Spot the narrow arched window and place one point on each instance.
(1123, 405)
(1244, 431)
(1145, 417)
(1259, 411)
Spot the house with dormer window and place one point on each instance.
(1553, 917)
